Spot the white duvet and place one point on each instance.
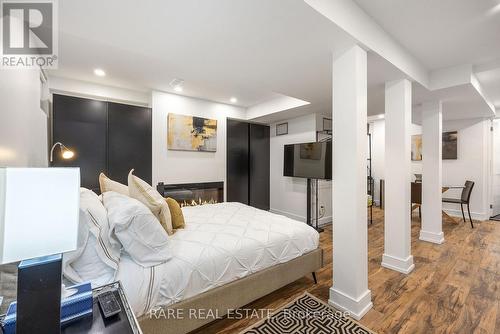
(221, 243)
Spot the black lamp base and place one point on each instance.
(39, 295)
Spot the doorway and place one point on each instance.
(495, 171)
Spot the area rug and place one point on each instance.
(307, 314)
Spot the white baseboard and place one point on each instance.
(289, 215)
(404, 266)
(357, 307)
(436, 238)
(475, 215)
(321, 221)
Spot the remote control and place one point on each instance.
(109, 304)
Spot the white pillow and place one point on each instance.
(89, 268)
(98, 253)
(137, 229)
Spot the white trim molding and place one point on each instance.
(481, 216)
(321, 221)
(436, 238)
(404, 266)
(357, 308)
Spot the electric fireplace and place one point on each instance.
(190, 194)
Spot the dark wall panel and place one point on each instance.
(129, 142)
(106, 137)
(80, 124)
(237, 177)
(259, 168)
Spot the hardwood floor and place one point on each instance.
(455, 287)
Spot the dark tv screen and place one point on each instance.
(308, 160)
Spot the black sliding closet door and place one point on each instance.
(129, 142)
(259, 168)
(80, 124)
(248, 149)
(237, 177)
(106, 137)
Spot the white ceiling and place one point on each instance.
(256, 49)
(223, 48)
(441, 33)
(445, 33)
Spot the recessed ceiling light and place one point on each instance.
(99, 72)
(233, 100)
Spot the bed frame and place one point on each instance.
(230, 296)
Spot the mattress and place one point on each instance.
(221, 243)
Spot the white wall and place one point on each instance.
(288, 194)
(91, 90)
(472, 163)
(184, 166)
(23, 125)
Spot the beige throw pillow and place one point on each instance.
(147, 195)
(106, 184)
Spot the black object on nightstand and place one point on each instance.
(122, 322)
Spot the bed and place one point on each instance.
(228, 255)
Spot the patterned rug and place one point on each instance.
(307, 314)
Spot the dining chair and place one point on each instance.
(416, 198)
(463, 200)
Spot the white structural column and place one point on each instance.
(350, 255)
(397, 255)
(432, 221)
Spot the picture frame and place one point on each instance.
(282, 129)
(327, 124)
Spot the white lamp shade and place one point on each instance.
(39, 212)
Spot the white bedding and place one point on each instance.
(221, 243)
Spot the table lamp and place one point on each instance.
(39, 213)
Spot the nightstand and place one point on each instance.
(122, 323)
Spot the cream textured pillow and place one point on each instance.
(107, 184)
(147, 195)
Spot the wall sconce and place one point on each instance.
(65, 152)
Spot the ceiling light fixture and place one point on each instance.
(99, 72)
(233, 100)
(177, 85)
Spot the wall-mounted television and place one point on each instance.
(308, 160)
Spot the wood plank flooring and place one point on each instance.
(455, 287)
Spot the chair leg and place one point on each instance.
(420, 212)
(463, 214)
(468, 210)
(314, 278)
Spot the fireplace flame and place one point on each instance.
(198, 202)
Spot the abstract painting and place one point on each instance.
(190, 133)
(416, 147)
(450, 146)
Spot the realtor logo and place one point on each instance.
(29, 34)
